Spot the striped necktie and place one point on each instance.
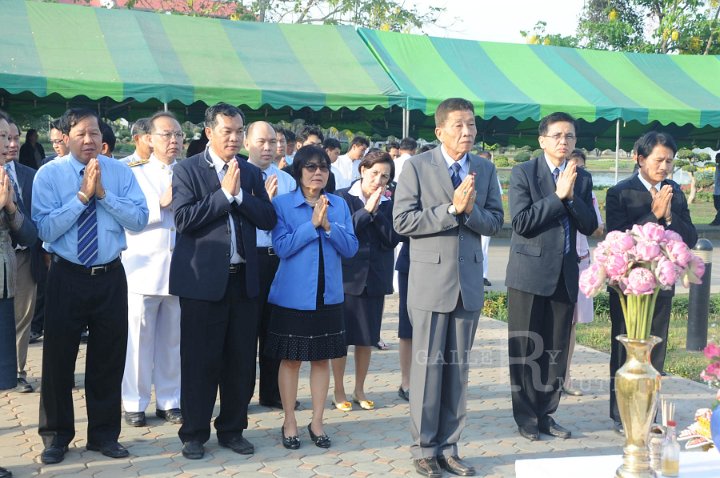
(564, 219)
(455, 174)
(87, 233)
(18, 197)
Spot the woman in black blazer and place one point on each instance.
(367, 277)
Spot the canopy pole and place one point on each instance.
(165, 108)
(405, 122)
(617, 148)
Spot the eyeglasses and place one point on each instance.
(312, 167)
(56, 141)
(168, 136)
(558, 136)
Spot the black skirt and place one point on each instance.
(306, 335)
(363, 317)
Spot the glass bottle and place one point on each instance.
(671, 452)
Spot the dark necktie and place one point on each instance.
(87, 233)
(455, 174)
(565, 222)
(18, 197)
(236, 223)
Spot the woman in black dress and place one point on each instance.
(313, 233)
(367, 276)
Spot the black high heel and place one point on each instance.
(322, 441)
(291, 443)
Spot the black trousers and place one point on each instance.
(75, 300)
(716, 203)
(538, 340)
(659, 328)
(269, 390)
(38, 319)
(217, 350)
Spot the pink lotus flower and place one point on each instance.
(679, 253)
(649, 231)
(696, 270)
(647, 251)
(711, 351)
(640, 281)
(592, 280)
(616, 266)
(672, 236)
(712, 371)
(666, 273)
(619, 241)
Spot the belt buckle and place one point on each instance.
(233, 269)
(97, 270)
(271, 251)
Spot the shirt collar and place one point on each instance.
(553, 167)
(154, 160)
(356, 190)
(647, 184)
(218, 163)
(462, 161)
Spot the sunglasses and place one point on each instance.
(312, 167)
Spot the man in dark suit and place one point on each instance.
(219, 201)
(549, 202)
(444, 201)
(28, 257)
(647, 197)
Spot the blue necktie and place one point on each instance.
(18, 198)
(455, 174)
(565, 222)
(87, 233)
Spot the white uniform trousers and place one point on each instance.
(153, 352)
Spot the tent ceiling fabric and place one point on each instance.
(531, 81)
(75, 50)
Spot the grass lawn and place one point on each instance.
(596, 334)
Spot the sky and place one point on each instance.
(501, 20)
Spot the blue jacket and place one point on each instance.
(295, 241)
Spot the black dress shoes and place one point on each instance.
(428, 467)
(549, 427)
(23, 386)
(4, 473)
(110, 449)
(321, 441)
(487, 283)
(291, 442)
(135, 419)
(404, 394)
(532, 435)
(53, 454)
(193, 450)
(172, 415)
(455, 465)
(238, 445)
(618, 428)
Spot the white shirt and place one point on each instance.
(219, 164)
(581, 244)
(286, 183)
(399, 162)
(147, 257)
(347, 171)
(647, 184)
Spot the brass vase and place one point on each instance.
(637, 384)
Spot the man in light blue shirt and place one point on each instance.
(82, 204)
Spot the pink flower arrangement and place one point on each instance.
(638, 263)
(711, 374)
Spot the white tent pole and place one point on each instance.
(617, 148)
(165, 108)
(406, 123)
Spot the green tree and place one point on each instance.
(689, 161)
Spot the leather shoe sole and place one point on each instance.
(238, 445)
(532, 436)
(193, 450)
(572, 391)
(549, 427)
(53, 454)
(455, 465)
(428, 467)
(135, 419)
(110, 450)
(173, 415)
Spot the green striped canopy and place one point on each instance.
(530, 81)
(73, 50)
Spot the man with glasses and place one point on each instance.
(219, 203)
(56, 141)
(153, 350)
(550, 200)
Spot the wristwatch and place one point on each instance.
(452, 210)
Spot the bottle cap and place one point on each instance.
(671, 423)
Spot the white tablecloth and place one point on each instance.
(692, 465)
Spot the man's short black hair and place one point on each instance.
(390, 145)
(555, 118)
(331, 143)
(408, 144)
(289, 135)
(308, 131)
(55, 124)
(360, 140)
(221, 109)
(108, 136)
(649, 140)
(73, 116)
(450, 105)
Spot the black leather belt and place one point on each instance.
(91, 271)
(268, 251)
(235, 268)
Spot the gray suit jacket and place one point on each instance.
(445, 251)
(538, 238)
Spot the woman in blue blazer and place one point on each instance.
(313, 233)
(367, 276)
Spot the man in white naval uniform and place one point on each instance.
(153, 349)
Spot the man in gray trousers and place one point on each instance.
(445, 200)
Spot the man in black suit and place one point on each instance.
(219, 201)
(28, 257)
(550, 200)
(647, 197)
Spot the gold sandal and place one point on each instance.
(364, 404)
(342, 406)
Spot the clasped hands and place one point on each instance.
(92, 182)
(7, 193)
(464, 197)
(566, 182)
(319, 216)
(661, 202)
(231, 182)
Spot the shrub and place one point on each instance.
(495, 305)
(502, 161)
(522, 156)
(537, 153)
